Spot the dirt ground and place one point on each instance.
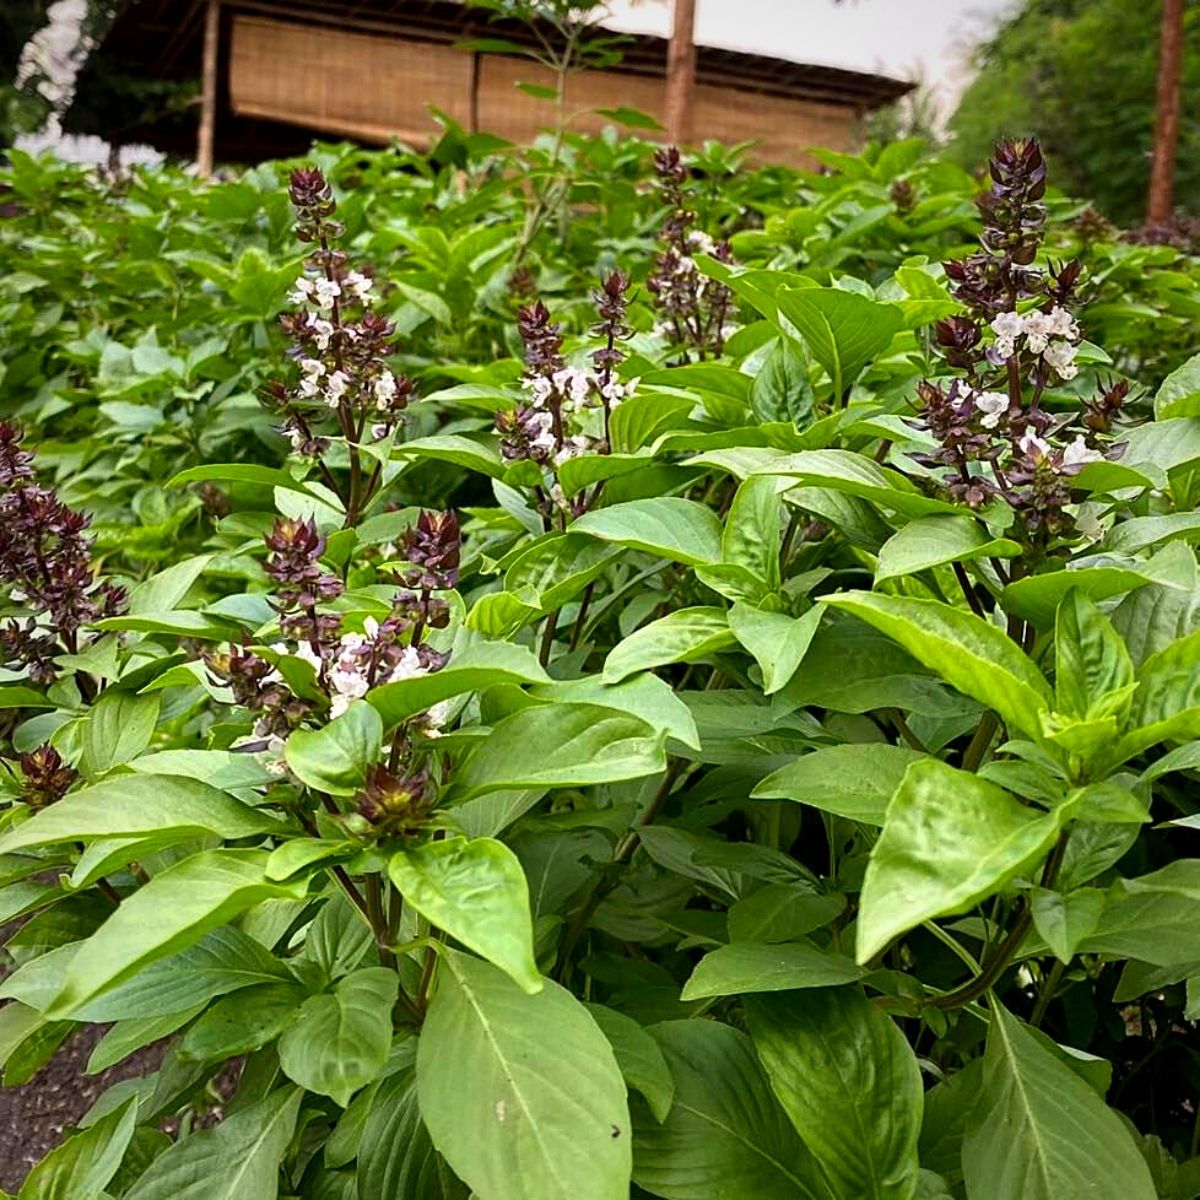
(34, 1116)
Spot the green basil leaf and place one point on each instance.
(480, 456)
(639, 1057)
(781, 912)
(560, 745)
(172, 911)
(850, 1083)
(752, 530)
(685, 635)
(645, 696)
(1091, 661)
(118, 727)
(238, 1159)
(521, 1093)
(782, 390)
(81, 1168)
(557, 567)
(340, 1041)
(725, 1134)
(135, 805)
(397, 1158)
(743, 967)
(478, 665)
(777, 642)
(336, 758)
(936, 540)
(681, 530)
(1036, 598)
(1179, 393)
(855, 782)
(1151, 917)
(949, 840)
(843, 330)
(1065, 919)
(475, 890)
(1038, 1132)
(839, 471)
(242, 1022)
(969, 653)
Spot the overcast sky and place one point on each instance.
(897, 37)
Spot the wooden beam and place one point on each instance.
(208, 90)
(1161, 200)
(681, 73)
(183, 33)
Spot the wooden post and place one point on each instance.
(1161, 200)
(681, 73)
(208, 90)
(476, 69)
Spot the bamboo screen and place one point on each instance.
(781, 125)
(377, 88)
(352, 84)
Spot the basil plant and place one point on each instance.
(744, 747)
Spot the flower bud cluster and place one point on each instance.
(693, 308)
(257, 685)
(995, 282)
(550, 428)
(398, 805)
(302, 583)
(47, 777)
(994, 440)
(377, 656)
(341, 346)
(994, 448)
(45, 560)
(346, 664)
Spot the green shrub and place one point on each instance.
(676, 718)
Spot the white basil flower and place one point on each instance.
(993, 405)
(1079, 452)
(1032, 444)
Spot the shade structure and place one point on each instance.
(374, 71)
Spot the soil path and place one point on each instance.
(33, 1117)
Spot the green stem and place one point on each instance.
(422, 1001)
(785, 551)
(996, 965)
(352, 893)
(902, 727)
(395, 904)
(1049, 987)
(984, 732)
(952, 944)
(375, 914)
(584, 604)
(339, 873)
(992, 970)
(548, 637)
(968, 590)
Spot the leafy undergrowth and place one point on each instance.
(692, 695)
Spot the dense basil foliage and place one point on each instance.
(687, 697)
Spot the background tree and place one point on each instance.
(20, 106)
(1082, 75)
(1166, 125)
